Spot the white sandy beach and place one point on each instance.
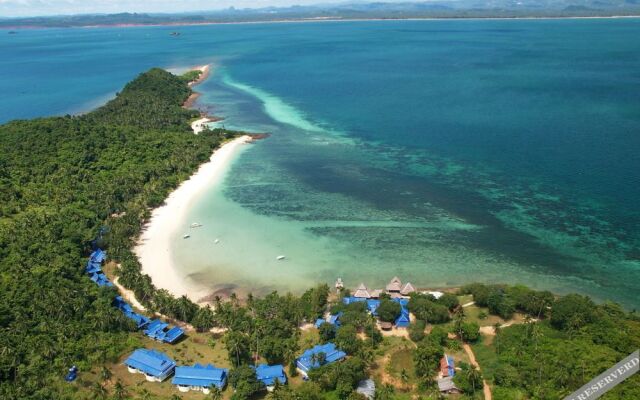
(154, 246)
(205, 69)
(199, 125)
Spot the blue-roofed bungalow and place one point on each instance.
(155, 366)
(403, 302)
(269, 374)
(101, 279)
(128, 312)
(155, 327)
(139, 319)
(403, 320)
(172, 335)
(309, 359)
(199, 378)
(160, 331)
(372, 306)
(335, 319)
(319, 322)
(93, 267)
(120, 304)
(98, 256)
(350, 300)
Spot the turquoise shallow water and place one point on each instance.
(441, 151)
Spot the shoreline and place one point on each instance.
(200, 124)
(316, 20)
(206, 71)
(153, 247)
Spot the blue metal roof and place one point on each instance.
(158, 330)
(128, 312)
(351, 299)
(93, 267)
(98, 256)
(155, 327)
(403, 320)
(372, 306)
(172, 335)
(305, 362)
(403, 302)
(101, 279)
(200, 375)
(151, 362)
(269, 374)
(451, 366)
(139, 319)
(335, 319)
(319, 322)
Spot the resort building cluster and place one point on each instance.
(156, 366)
(394, 289)
(154, 328)
(94, 268)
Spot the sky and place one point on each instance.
(25, 8)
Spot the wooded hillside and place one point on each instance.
(61, 179)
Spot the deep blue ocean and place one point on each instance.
(443, 151)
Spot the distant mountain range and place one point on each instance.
(353, 10)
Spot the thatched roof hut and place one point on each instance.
(395, 285)
(407, 289)
(362, 292)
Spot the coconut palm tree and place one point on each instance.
(119, 391)
(234, 299)
(469, 379)
(497, 329)
(99, 391)
(322, 358)
(105, 374)
(458, 320)
(145, 395)
(215, 393)
(404, 377)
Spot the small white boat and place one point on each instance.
(216, 241)
(196, 225)
(187, 236)
(280, 258)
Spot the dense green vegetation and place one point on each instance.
(426, 308)
(505, 300)
(551, 358)
(61, 180)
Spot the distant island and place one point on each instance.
(347, 11)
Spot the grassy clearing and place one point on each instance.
(464, 299)
(486, 356)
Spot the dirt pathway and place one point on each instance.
(474, 363)
(128, 295)
(491, 331)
